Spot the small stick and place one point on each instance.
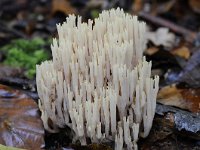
(18, 82)
(189, 36)
(3, 27)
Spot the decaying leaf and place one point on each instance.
(161, 36)
(137, 6)
(152, 50)
(63, 6)
(163, 6)
(183, 52)
(183, 98)
(20, 123)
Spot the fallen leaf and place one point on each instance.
(161, 36)
(63, 6)
(163, 7)
(183, 52)
(152, 50)
(183, 98)
(20, 123)
(162, 59)
(137, 6)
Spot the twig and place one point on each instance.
(19, 82)
(189, 36)
(3, 27)
(33, 95)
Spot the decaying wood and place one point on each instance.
(18, 82)
(181, 121)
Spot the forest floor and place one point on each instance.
(26, 31)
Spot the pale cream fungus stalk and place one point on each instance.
(98, 82)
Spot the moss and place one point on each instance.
(25, 54)
(94, 13)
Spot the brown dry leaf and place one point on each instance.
(163, 6)
(183, 98)
(63, 6)
(195, 4)
(137, 6)
(183, 52)
(20, 123)
(152, 50)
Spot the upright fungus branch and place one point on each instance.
(98, 84)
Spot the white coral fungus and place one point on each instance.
(98, 84)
